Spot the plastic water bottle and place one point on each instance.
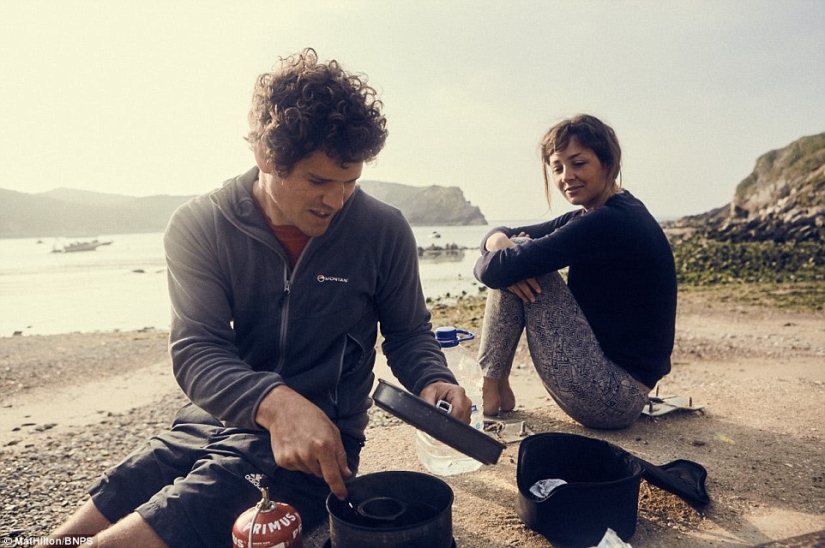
(437, 457)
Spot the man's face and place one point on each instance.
(310, 196)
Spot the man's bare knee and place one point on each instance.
(87, 521)
(129, 532)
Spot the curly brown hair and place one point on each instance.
(590, 132)
(304, 106)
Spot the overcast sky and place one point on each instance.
(150, 97)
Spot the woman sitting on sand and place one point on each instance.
(601, 341)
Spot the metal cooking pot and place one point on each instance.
(392, 510)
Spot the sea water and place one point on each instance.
(122, 286)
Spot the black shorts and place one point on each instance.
(192, 482)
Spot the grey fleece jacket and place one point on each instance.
(244, 322)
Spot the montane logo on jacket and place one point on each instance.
(321, 278)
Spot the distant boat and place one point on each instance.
(435, 234)
(79, 246)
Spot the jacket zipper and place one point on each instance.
(288, 277)
(334, 392)
(284, 316)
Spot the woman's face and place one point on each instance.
(580, 176)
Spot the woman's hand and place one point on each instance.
(499, 240)
(526, 290)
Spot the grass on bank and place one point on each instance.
(788, 275)
(467, 311)
(784, 275)
(705, 262)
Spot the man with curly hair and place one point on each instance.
(278, 283)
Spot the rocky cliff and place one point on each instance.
(430, 205)
(783, 199)
(772, 230)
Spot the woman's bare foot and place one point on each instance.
(498, 397)
(506, 395)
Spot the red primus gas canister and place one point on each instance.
(268, 525)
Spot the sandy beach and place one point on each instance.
(74, 404)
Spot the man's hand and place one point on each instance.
(451, 393)
(303, 438)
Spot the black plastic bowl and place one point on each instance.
(602, 488)
(392, 510)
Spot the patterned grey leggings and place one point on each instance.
(581, 379)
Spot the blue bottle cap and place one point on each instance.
(448, 336)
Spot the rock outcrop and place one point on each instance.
(430, 205)
(783, 200)
(772, 230)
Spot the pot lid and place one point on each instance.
(435, 422)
